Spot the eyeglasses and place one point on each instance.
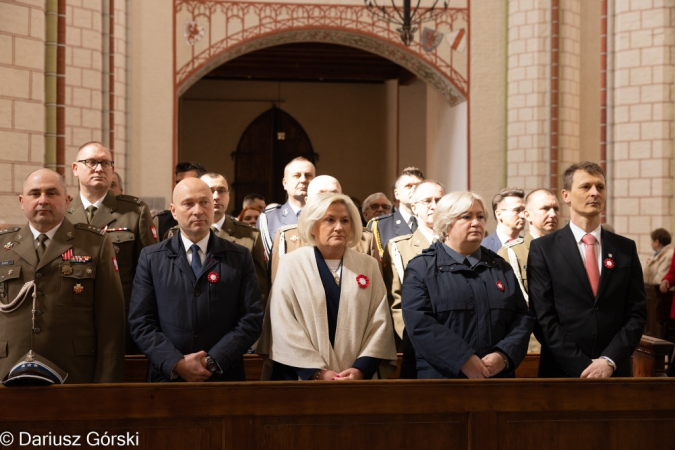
(429, 201)
(375, 207)
(92, 163)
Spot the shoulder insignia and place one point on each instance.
(175, 228)
(9, 230)
(162, 213)
(514, 242)
(245, 225)
(129, 198)
(383, 216)
(93, 229)
(272, 208)
(403, 237)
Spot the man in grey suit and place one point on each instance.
(508, 207)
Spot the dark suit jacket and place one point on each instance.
(492, 242)
(388, 227)
(573, 326)
(174, 313)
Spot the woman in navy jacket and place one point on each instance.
(462, 306)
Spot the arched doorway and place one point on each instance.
(272, 140)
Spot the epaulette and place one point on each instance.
(513, 242)
(403, 237)
(9, 230)
(245, 225)
(232, 218)
(271, 208)
(162, 213)
(174, 228)
(378, 218)
(129, 198)
(285, 228)
(93, 229)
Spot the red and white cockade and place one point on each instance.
(609, 263)
(213, 277)
(363, 281)
(500, 285)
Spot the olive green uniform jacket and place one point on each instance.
(398, 252)
(79, 304)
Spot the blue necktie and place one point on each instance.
(196, 260)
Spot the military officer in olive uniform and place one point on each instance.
(297, 175)
(126, 219)
(402, 221)
(287, 238)
(228, 228)
(542, 211)
(79, 306)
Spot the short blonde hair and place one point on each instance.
(315, 209)
(450, 207)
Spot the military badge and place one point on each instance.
(153, 230)
(67, 269)
(213, 277)
(362, 281)
(78, 288)
(294, 239)
(500, 286)
(9, 245)
(609, 263)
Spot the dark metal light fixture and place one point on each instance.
(408, 18)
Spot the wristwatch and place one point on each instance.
(212, 365)
(610, 363)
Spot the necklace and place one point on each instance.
(335, 272)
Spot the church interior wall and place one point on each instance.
(345, 123)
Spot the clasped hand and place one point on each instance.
(489, 366)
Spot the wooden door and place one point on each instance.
(272, 140)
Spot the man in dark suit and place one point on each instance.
(402, 221)
(195, 305)
(508, 208)
(297, 175)
(586, 288)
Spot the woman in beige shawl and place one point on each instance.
(328, 309)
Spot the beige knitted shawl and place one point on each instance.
(299, 325)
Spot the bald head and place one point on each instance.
(323, 183)
(192, 208)
(44, 199)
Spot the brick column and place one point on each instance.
(527, 154)
(22, 115)
(641, 182)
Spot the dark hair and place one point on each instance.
(410, 172)
(586, 166)
(661, 235)
(212, 175)
(501, 195)
(186, 166)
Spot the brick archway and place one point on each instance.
(209, 33)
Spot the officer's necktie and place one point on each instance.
(91, 209)
(591, 262)
(41, 247)
(196, 260)
(413, 223)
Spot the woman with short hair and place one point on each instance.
(462, 306)
(329, 314)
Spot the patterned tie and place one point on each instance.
(41, 247)
(91, 209)
(196, 260)
(591, 262)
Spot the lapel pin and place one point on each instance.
(500, 286)
(213, 277)
(609, 263)
(398, 222)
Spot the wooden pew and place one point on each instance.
(395, 414)
(658, 312)
(649, 360)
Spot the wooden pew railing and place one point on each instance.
(651, 359)
(659, 323)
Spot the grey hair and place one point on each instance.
(371, 198)
(315, 209)
(450, 207)
(415, 197)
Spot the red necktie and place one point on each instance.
(591, 262)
